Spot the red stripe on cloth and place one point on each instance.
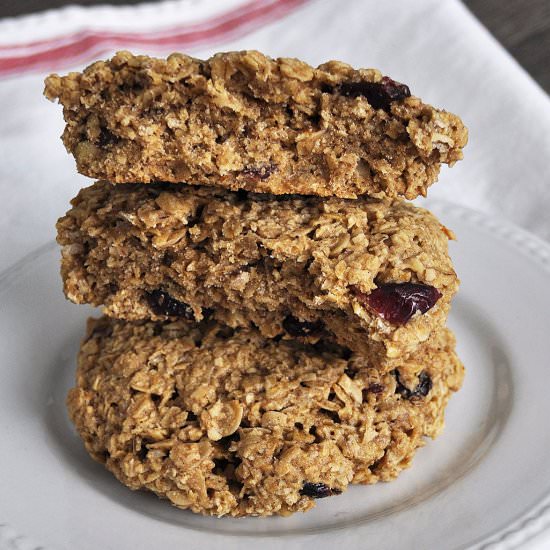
(72, 49)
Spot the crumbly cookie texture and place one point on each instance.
(294, 266)
(225, 422)
(241, 120)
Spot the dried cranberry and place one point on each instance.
(375, 388)
(163, 304)
(296, 328)
(422, 389)
(398, 302)
(257, 173)
(379, 94)
(318, 490)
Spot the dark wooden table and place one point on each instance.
(522, 26)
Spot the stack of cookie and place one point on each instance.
(274, 326)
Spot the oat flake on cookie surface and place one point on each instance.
(226, 422)
(242, 120)
(371, 274)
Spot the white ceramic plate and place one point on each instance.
(484, 483)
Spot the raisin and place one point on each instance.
(318, 490)
(259, 173)
(163, 304)
(398, 302)
(379, 94)
(296, 328)
(422, 389)
(375, 388)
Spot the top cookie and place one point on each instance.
(241, 120)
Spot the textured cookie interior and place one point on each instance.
(293, 266)
(245, 121)
(226, 422)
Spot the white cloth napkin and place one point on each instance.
(437, 48)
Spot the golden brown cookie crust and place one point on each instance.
(242, 120)
(245, 258)
(225, 422)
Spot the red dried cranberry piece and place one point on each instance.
(379, 94)
(297, 328)
(422, 389)
(318, 490)
(375, 388)
(398, 302)
(259, 173)
(162, 303)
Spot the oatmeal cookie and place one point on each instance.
(372, 274)
(241, 120)
(225, 422)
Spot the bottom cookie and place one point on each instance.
(226, 422)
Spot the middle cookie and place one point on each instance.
(373, 275)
